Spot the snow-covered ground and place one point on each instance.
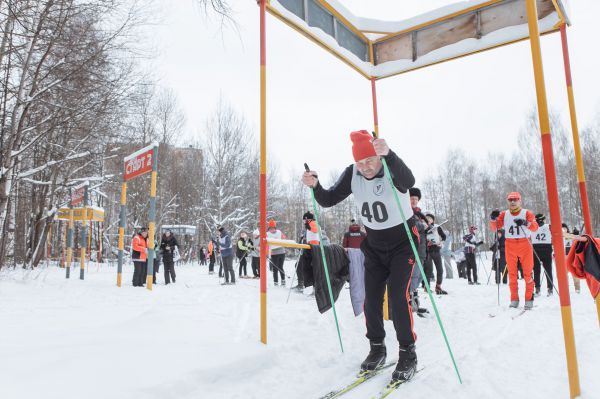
(197, 339)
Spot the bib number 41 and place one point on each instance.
(375, 211)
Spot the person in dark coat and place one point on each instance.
(156, 262)
(202, 257)
(226, 249)
(167, 246)
(241, 252)
(499, 258)
(389, 259)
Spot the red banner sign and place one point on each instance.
(139, 162)
(78, 194)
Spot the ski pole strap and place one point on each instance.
(415, 252)
(314, 202)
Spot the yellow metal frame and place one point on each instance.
(288, 244)
(314, 38)
(390, 35)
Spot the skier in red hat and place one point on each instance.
(517, 223)
(388, 255)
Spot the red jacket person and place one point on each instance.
(517, 223)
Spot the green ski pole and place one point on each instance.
(314, 202)
(388, 175)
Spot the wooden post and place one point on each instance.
(552, 189)
(386, 306)
(587, 219)
(263, 175)
(152, 221)
(122, 222)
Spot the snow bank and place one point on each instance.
(196, 339)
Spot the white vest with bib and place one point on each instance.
(542, 235)
(511, 230)
(376, 202)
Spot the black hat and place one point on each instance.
(220, 228)
(308, 215)
(142, 229)
(352, 220)
(414, 192)
(430, 215)
(540, 216)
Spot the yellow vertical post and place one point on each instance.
(122, 221)
(553, 201)
(386, 306)
(70, 232)
(263, 175)
(152, 219)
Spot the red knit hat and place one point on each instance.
(362, 145)
(272, 223)
(514, 195)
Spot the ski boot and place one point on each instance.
(528, 305)
(550, 292)
(415, 304)
(276, 283)
(471, 283)
(514, 304)
(298, 288)
(376, 357)
(440, 291)
(407, 364)
(537, 291)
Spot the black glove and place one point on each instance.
(494, 215)
(575, 231)
(429, 229)
(479, 243)
(520, 222)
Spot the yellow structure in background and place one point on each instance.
(380, 49)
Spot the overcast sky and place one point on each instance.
(478, 103)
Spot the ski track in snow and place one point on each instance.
(197, 339)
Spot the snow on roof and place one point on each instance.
(373, 32)
(141, 151)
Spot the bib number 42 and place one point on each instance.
(375, 211)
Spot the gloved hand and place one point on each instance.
(521, 222)
(479, 243)
(495, 213)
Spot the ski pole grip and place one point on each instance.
(374, 134)
(306, 167)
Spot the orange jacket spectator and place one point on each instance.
(139, 247)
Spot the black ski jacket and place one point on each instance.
(314, 273)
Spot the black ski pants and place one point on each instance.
(242, 266)
(138, 273)
(394, 266)
(462, 269)
(227, 262)
(278, 261)
(169, 267)
(155, 270)
(471, 267)
(211, 264)
(544, 253)
(434, 257)
(500, 267)
(256, 266)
